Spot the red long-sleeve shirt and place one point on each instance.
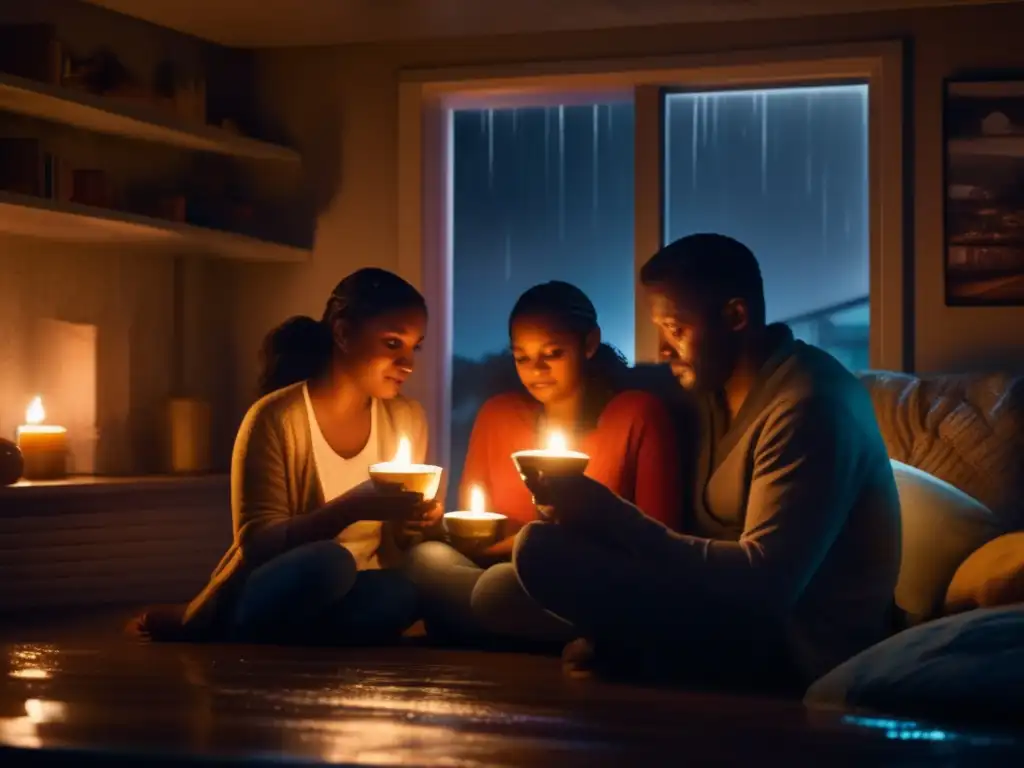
(633, 451)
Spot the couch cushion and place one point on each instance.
(967, 430)
(991, 576)
(971, 664)
(942, 526)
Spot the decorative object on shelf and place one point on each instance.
(984, 135)
(44, 447)
(184, 95)
(32, 51)
(22, 166)
(101, 73)
(188, 421)
(93, 187)
(28, 170)
(11, 462)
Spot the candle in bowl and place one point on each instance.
(44, 447)
(556, 459)
(474, 528)
(401, 474)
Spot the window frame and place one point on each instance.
(424, 215)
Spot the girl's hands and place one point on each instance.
(366, 502)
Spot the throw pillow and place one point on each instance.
(970, 665)
(942, 526)
(992, 576)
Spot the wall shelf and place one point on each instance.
(27, 216)
(104, 115)
(990, 146)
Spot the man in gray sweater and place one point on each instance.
(790, 560)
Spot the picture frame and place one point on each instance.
(983, 140)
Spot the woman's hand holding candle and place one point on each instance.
(429, 515)
(368, 503)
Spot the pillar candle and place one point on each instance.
(44, 447)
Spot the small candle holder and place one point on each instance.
(474, 529)
(400, 474)
(554, 461)
(44, 448)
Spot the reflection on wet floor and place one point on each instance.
(416, 707)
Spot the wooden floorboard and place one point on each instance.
(79, 694)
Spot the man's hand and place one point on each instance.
(576, 501)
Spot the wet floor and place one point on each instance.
(64, 701)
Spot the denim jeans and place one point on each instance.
(314, 594)
(465, 603)
(646, 622)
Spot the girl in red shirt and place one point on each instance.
(574, 383)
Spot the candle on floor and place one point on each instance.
(401, 473)
(44, 447)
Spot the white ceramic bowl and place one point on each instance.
(544, 462)
(420, 478)
(474, 529)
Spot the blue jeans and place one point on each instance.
(646, 621)
(465, 603)
(315, 594)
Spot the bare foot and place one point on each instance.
(416, 630)
(158, 623)
(579, 658)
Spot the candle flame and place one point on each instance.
(556, 442)
(476, 499)
(403, 457)
(35, 414)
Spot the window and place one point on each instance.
(514, 174)
(538, 194)
(785, 171)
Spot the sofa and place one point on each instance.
(957, 444)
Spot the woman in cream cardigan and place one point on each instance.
(316, 549)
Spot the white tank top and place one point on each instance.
(339, 475)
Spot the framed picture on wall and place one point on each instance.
(984, 144)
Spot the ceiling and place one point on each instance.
(268, 23)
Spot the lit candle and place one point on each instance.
(44, 447)
(400, 472)
(555, 459)
(474, 527)
(477, 508)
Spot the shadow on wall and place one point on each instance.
(311, 122)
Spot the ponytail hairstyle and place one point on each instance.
(605, 371)
(302, 348)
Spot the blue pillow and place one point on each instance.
(969, 664)
(942, 526)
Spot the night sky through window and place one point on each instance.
(547, 193)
